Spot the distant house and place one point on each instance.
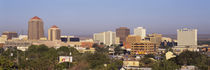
(133, 65)
(169, 55)
(189, 68)
(145, 69)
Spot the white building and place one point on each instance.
(187, 40)
(140, 31)
(187, 37)
(108, 38)
(23, 37)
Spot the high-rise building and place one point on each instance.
(108, 38)
(10, 35)
(187, 40)
(140, 31)
(187, 37)
(122, 33)
(54, 33)
(35, 28)
(131, 39)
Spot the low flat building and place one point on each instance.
(189, 68)
(66, 38)
(145, 68)
(83, 50)
(20, 45)
(169, 55)
(130, 65)
(87, 44)
(180, 49)
(54, 44)
(3, 38)
(75, 39)
(10, 35)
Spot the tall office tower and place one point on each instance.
(122, 33)
(35, 28)
(140, 31)
(54, 33)
(10, 35)
(187, 37)
(107, 38)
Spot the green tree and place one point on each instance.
(103, 50)
(40, 58)
(115, 64)
(146, 62)
(118, 50)
(192, 58)
(63, 51)
(6, 63)
(165, 65)
(96, 60)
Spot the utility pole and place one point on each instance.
(17, 59)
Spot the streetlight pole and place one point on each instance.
(69, 59)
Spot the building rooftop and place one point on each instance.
(54, 26)
(123, 28)
(35, 17)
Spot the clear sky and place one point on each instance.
(85, 17)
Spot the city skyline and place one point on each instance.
(88, 17)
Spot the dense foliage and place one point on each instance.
(192, 58)
(40, 57)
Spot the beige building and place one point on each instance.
(3, 38)
(131, 39)
(169, 55)
(143, 47)
(187, 40)
(187, 37)
(54, 33)
(10, 35)
(131, 65)
(117, 40)
(20, 45)
(108, 38)
(155, 38)
(35, 28)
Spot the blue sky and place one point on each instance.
(85, 17)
